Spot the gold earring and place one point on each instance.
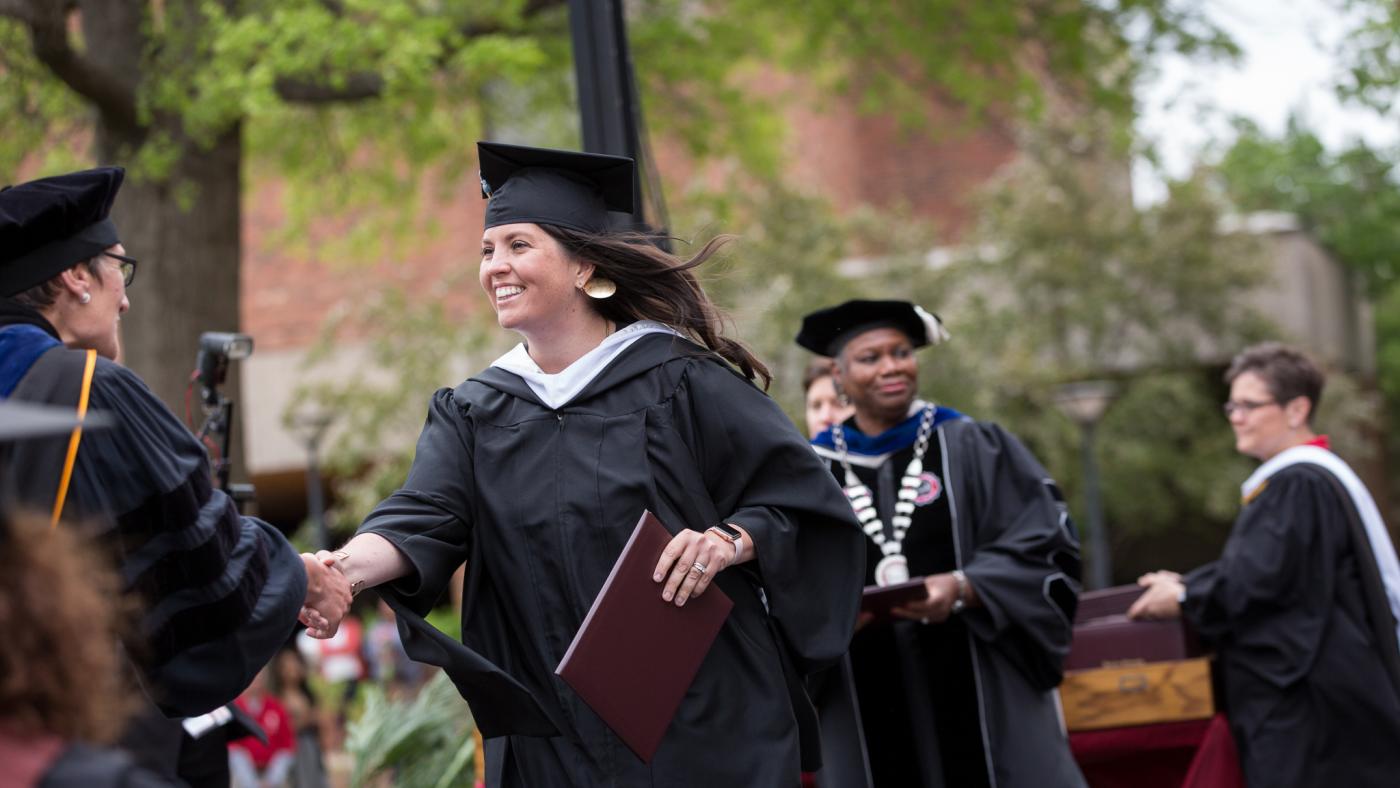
(600, 287)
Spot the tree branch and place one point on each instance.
(16, 9)
(531, 8)
(357, 87)
(48, 29)
(367, 84)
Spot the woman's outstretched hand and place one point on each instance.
(327, 597)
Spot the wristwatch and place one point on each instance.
(340, 557)
(731, 535)
(960, 603)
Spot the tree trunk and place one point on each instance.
(185, 232)
(184, 227)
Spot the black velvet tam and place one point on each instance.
(545, 186)
(826, 331)
(49, 225)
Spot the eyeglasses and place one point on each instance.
(127, 265)
(1244, 406)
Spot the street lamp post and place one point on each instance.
(311, 428)
(1084, 403)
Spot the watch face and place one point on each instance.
(728, 530)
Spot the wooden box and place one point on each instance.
(1154, 692)
(1120, 673)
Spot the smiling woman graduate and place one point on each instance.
(625, 395)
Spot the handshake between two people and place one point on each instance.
(328, 595)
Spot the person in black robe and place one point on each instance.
(961, 692)
(1301, 606)
(534, 472)
(220, 592)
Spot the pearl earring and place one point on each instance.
(600, 287)
(85, 298)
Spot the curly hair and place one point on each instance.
(653, 284)
(61, 612)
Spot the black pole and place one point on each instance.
(315, 504)
(609, 109)
(1102, 564)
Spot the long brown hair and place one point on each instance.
(61, 612)
(653, 284)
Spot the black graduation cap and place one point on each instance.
(545, 186)
(826, 331)
(23, 420)
(49, 225)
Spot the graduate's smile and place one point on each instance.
(527, 277)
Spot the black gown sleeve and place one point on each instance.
(764, 477)
(1024, 565)
(428, 518)
(1268, 596)
(220, 592)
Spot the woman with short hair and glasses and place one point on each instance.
(221, 592)
(1301, 607)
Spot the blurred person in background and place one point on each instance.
(1301, 607)
(962, 691)
(254, 763)
(63, 687)
(220, 592)
(389, 662)
(824, 407)
(289, 682)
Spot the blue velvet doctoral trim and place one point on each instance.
(891, 440)
(20, 346)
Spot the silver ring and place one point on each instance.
(923, 620)
(699, 567)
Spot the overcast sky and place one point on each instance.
(1288, 64)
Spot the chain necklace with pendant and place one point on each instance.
(893, 567)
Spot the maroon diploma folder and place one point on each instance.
(636, 654)
(1104, 635)
(880, 600)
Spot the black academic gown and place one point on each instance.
(220, 592)
(1309, 697)
(540, 502)
(972, 701)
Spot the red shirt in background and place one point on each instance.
(272, 716)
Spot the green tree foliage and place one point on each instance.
(1349, 199)
(1370, 54)
(354, 103)
(1064, 280)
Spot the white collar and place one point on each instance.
(558, 389)
(1381, 546)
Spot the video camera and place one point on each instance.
(216, 350)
